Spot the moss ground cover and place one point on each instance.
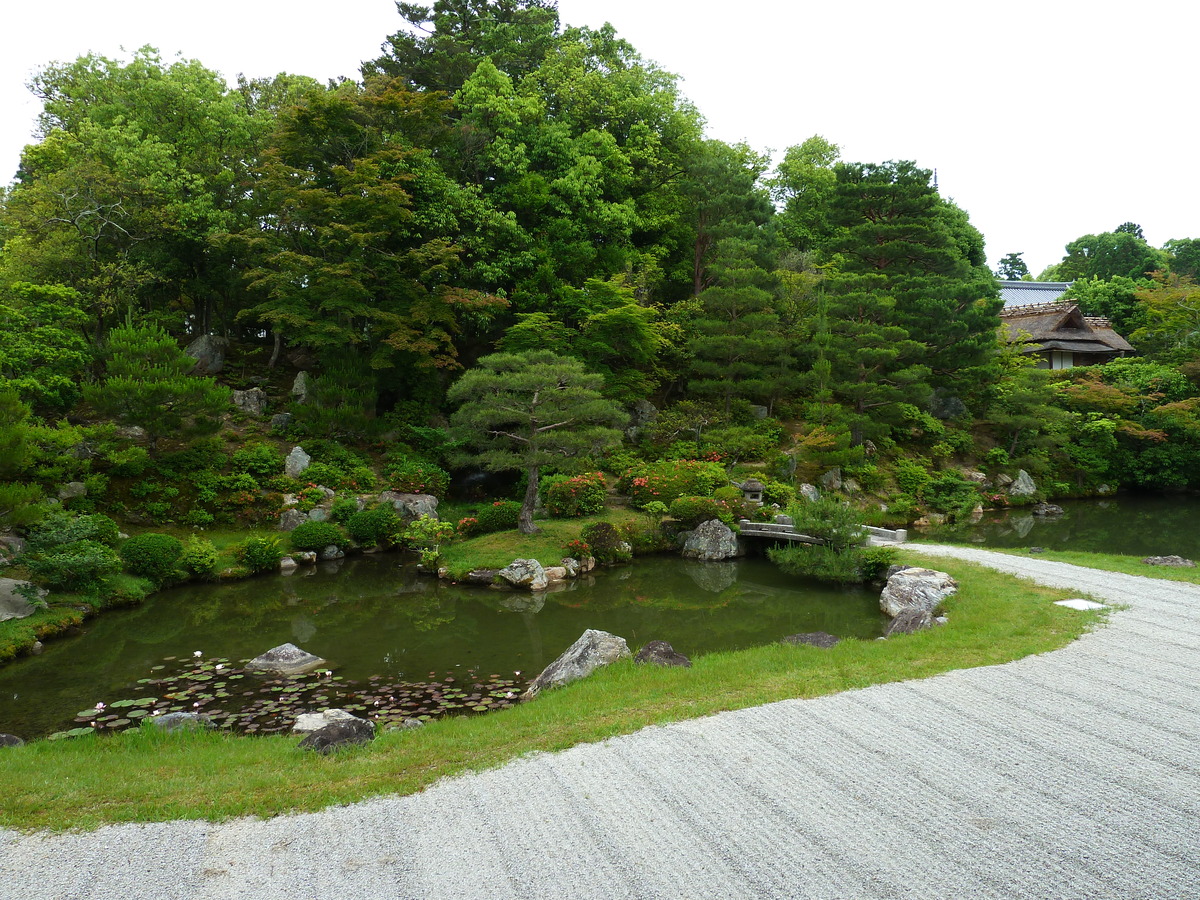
(147, 776)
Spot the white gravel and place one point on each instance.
(1071, 775)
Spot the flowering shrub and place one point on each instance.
(410, 475)
(691, 511)
(467, 526)
(606, 543)
(500, 516)
(667, 480)
(578, 549)
(582, 495)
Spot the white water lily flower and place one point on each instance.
(198, 654)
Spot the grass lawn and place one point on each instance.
(1108, 562)
(497, 550)
(147, 776)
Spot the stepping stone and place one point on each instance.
(1080, 604)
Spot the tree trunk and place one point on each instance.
(525, 518)
(275, 350)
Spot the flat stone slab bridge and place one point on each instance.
(782, 529)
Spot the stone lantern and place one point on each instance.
(752, 491)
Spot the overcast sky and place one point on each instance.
(1045, 120)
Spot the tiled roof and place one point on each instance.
(1023, 293)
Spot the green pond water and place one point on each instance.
(1129, 524)
(398, 643)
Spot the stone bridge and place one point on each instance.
(782, 529)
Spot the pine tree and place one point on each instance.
(527, 410)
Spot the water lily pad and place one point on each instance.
(137, 713)
(87, 713)
(120, 723)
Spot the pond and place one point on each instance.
(398, 644)
(1128, 524)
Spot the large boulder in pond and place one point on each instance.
(916, 588)
(339, 734)
(297, 461)
(13, 602)
(711, 541)
(1023, 486)
(524, 573)
(307, 723)
(286, 659)
(593, 650)
(661, 653)
(411, 506)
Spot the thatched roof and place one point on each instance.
(1060, 326)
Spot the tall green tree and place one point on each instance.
(1123, 252)
(737, 341)
(522, 411)
(1012, 268)
(892, 223)
(19, 500)
(355, 247)
(148, 383)
(44, 354)
(803, 184)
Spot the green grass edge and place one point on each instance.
(147, 776)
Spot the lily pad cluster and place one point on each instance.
(248, 702)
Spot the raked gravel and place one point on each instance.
(1075, 774)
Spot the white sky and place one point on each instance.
(1045, 120)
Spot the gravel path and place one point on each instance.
(1071, 775)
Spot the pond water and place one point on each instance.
(398, 640)
(1129, 524)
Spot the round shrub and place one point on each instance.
(691, 511)
(260, 554)
(74, 567)
(259, 460)
(499, 516)
(784, 495)
(153, 556)
(411, 475)
(343, 509)
(606, 543)
(582, 495)
(373, 526)
(199, 558)
(316, 536)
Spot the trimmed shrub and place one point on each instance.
(606, 543)
(199, 558)
(582, 495)
(778, 492)
(316, 536)
(500, 516)
(412, 475)
(691, 511)
(77, 566)
(259, 460)
(671, 479)
(61, 528)
(343, 510)
(373, 526)
(259, 554)
(153, 556)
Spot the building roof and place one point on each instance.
(1060, 326)
(1024, 293)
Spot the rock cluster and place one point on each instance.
(1176, 562)
(822, 639)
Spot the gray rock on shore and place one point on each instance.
(593, 650)
(915, 588)
(711, 541)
